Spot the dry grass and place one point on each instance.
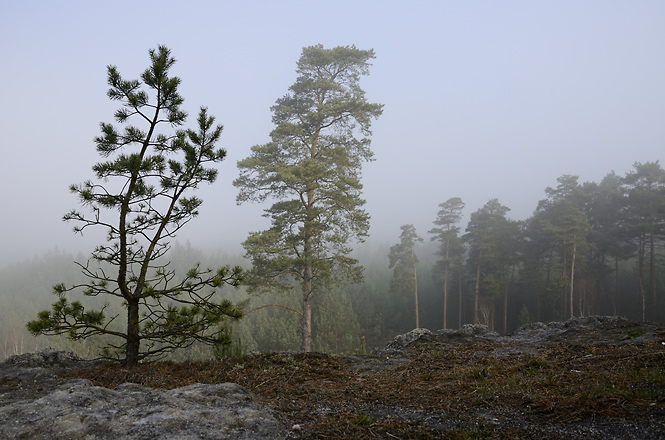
(458, 392)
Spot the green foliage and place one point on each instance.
(70, 318)
(403, 260)
(362, 420)
(266, 327)
(635, 332)
(487, 235)
(337, 329)
(230, 347)
(524, 317)
(345, 314)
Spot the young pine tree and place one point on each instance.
(142, 199)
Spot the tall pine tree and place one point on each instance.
(311, 169)
(403, 260)
(446, 233)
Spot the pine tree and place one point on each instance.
(403, 261)
(566, 228)
(646, 211)
(489, 250)
(142, 200)
(447, 233)
(311, 168)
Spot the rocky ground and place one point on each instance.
(592, 378)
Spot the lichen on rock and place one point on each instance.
(36, 404)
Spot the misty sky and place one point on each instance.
(483, 99)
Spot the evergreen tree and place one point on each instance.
(565, 228)
(606, 210)
(489, 253)
(142, 201)
(447, 233)
(646, 211)
(311, 168)
(403, 261)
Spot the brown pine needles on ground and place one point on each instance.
(439, 392)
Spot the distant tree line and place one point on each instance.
(590, 248)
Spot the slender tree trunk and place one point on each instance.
(477, 295)
(505, 311)
(415, 289)
(445, 287)
(133, 338)
(616, 285)
(459, 291)
(644, 302)
(640, 272)
(445, 299)
(306, 345)
(505, 299)
(597, 305)
(572, 274)
(652, 274)
(564, 293)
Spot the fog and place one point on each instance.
(482, 99)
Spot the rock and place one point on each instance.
(36, 404)
(32, 375)
(44, 359)
(400, 342)
(478, 330)
(79, 410)
(468, 334)
(590, 329)
(596, 329)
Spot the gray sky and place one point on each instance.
(483, 99)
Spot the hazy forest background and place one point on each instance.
(589, 248)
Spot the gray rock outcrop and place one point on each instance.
(588, 329)
(35, 404)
